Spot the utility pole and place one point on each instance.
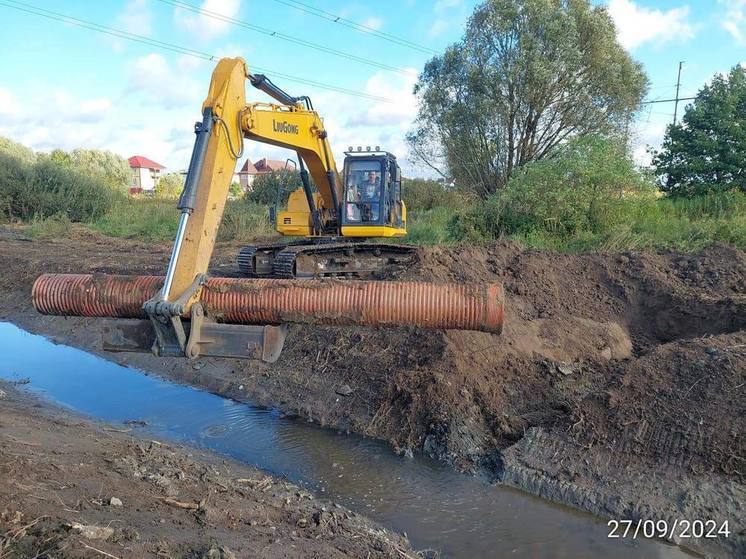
(678, 85)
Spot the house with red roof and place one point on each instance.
(250, 170)
(145, 174)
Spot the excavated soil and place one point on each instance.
(617, 385)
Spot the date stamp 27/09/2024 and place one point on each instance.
(668, 529)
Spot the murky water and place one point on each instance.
(438, 508)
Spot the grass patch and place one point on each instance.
(143, 218)
(245, 222)
(155, 219)
(683, 224)
(428, 227)
(52, 227)
(642, 223)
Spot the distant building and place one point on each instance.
(245, 177)
(145, 174)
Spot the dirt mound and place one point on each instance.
(680, 404)
(575, 325)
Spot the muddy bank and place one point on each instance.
(617, 386)
(73, 488)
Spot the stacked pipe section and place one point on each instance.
(274, 301)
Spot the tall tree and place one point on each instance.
(707, 150)
(527, 75)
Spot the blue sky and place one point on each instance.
(64, 86)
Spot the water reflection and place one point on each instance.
(438, 508)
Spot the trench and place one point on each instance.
(438, 508)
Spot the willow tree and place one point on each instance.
(527, 75)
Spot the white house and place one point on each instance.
(145, 174)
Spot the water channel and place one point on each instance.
(438, 508)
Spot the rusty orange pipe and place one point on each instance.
(272, 301)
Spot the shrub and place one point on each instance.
(477, 222)
(15, 149)
(587, 185)
(244, 222)
(44, 188)
(169, 186)
(584, 186)
(426, 194)
(265, 188)
(105, 165)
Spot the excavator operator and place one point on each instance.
(371, 196)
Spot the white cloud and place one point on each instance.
(211, 23)
(396, 88)
(637, 25)
(445, 16)
(152, 113)
(153, 76)
(56, 119)
(373, 23)
(136, 17)
(647, 135)
(8, 105)
(734, 19)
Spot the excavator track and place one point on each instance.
(308, 259)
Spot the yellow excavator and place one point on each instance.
(188, 313)
(331, 215)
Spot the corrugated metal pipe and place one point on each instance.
(274, 301)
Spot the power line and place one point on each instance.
(64, 18)
(318, 12)
(668, 100)
(282, 36)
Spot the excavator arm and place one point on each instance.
(227, 119)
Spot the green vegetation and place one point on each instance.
(102, 165)
(585, 186)
(154, 219)
(169, 186)
(527, 75)
(52, 227)
(140, 218)
(707, 151)
(265, 188)
(426, 194)
(587, 196)
(40, 188)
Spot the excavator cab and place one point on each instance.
(371, 203)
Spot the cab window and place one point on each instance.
(364, 188)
